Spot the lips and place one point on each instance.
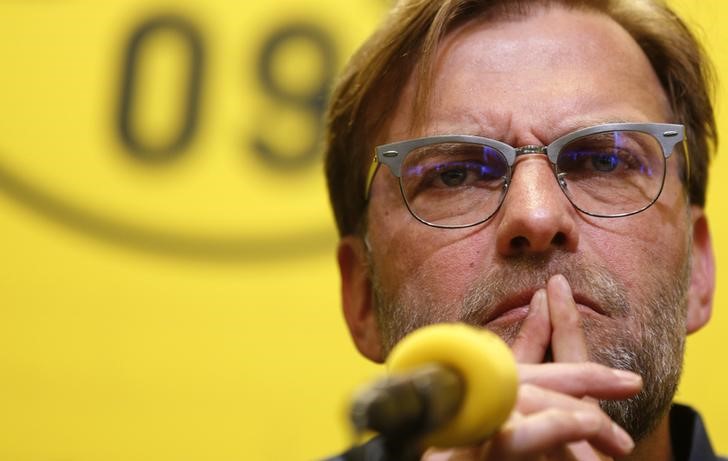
(518, 303)
(516, 307)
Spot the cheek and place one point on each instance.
(429, 261)
(426, 261)
(640, 248)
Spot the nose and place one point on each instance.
(536, 215)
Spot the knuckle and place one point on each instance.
(530, 395)
(583, 422)
(566, 421)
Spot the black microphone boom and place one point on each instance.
(409, 405)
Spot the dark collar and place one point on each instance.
(688, 435)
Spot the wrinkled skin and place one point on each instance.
(528, 81)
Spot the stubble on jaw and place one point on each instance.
(646, 336)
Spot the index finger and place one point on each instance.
(533, 338)
(568, 343)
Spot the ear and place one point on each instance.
(356, 294)
(702, 277)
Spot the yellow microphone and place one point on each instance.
(450, 385)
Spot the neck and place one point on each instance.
(656, 446)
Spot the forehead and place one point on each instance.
(546, 73)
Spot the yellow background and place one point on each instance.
(188, 309)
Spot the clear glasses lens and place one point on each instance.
(455, 183)
(611, 173)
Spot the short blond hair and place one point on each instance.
(373, 81)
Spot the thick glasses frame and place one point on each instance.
(393, 155)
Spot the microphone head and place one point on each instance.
(486, 366)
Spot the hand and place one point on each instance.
(556, 415)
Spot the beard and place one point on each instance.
(645, 334)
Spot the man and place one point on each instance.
(588, 256)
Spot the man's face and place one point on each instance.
(529, 81)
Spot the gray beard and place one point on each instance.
(650, 341)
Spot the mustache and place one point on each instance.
(400, 313)
(527, 273)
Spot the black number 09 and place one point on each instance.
(312, 103)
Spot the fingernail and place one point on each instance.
(624, 440)
(537, 301)
(562, 283)
(588, 421)
(627, 376)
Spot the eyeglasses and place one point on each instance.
(455, 181)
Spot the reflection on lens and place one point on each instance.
(612, 173)
(454, 184)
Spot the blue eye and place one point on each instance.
(454, 177)
(455, 174)
(604, 162)
(585, 161)
(450, 166)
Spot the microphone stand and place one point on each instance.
(385, 449)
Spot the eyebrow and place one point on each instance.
(477, 129)
(589, 122)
